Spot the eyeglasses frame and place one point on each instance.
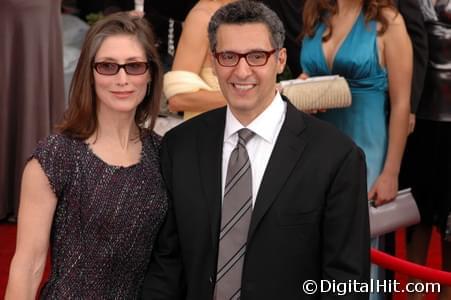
(241, 55)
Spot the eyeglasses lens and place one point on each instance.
(134, 68)
(253, 59)
(256, 58)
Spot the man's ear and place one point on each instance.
(213, 62)
(281, 60)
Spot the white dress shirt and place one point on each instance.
(266, 128)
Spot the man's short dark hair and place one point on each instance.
(244, 12)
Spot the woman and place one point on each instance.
(191, 86)
(366, 42)
(362, 41)
(427, 163)
(94, 189)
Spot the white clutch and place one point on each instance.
(401, 212)
(322, 92)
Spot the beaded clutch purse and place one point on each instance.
(322, 92)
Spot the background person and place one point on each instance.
(427, 163)
(290, 12)
(190, 86)
(166, 18)
(369, 61)
(361, 41)
(413, 18)
(31, 87)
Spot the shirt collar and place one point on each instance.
(265, 125)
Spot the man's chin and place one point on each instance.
(242, 105)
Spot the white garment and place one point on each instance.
(266, 128)
(74, 31)
(164, 124)
(427, 8)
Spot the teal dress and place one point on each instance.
(365, 121)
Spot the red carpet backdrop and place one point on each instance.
(8, 242)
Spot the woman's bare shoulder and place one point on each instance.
(204, 9)
(392, 15)
(200, 15)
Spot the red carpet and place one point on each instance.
(8, 242)
(7, 248)
(433, 261)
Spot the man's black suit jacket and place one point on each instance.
(309, 222)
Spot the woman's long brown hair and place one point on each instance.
(316, 11)
(80, 119)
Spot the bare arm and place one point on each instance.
(37, 206)
(397, 53)
(192, 51)
(197, 101)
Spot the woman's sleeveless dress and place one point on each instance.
(365, 121)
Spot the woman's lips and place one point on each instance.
(122, 94)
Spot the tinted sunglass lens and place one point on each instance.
(136, 68)
(107, 68)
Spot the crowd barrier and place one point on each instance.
(410, 269)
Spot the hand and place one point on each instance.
(412, 121)
(303, 76)
(314, 111)
(384, 189)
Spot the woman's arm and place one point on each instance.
(37, 206)
(398, 57)
(197, 101)
(192, 50)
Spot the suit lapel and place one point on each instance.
(211, 139)
(287, 151)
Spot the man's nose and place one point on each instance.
(242, 69)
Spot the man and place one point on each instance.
(262, 196)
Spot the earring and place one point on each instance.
(148, 89)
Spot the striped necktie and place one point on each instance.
(235, 220)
